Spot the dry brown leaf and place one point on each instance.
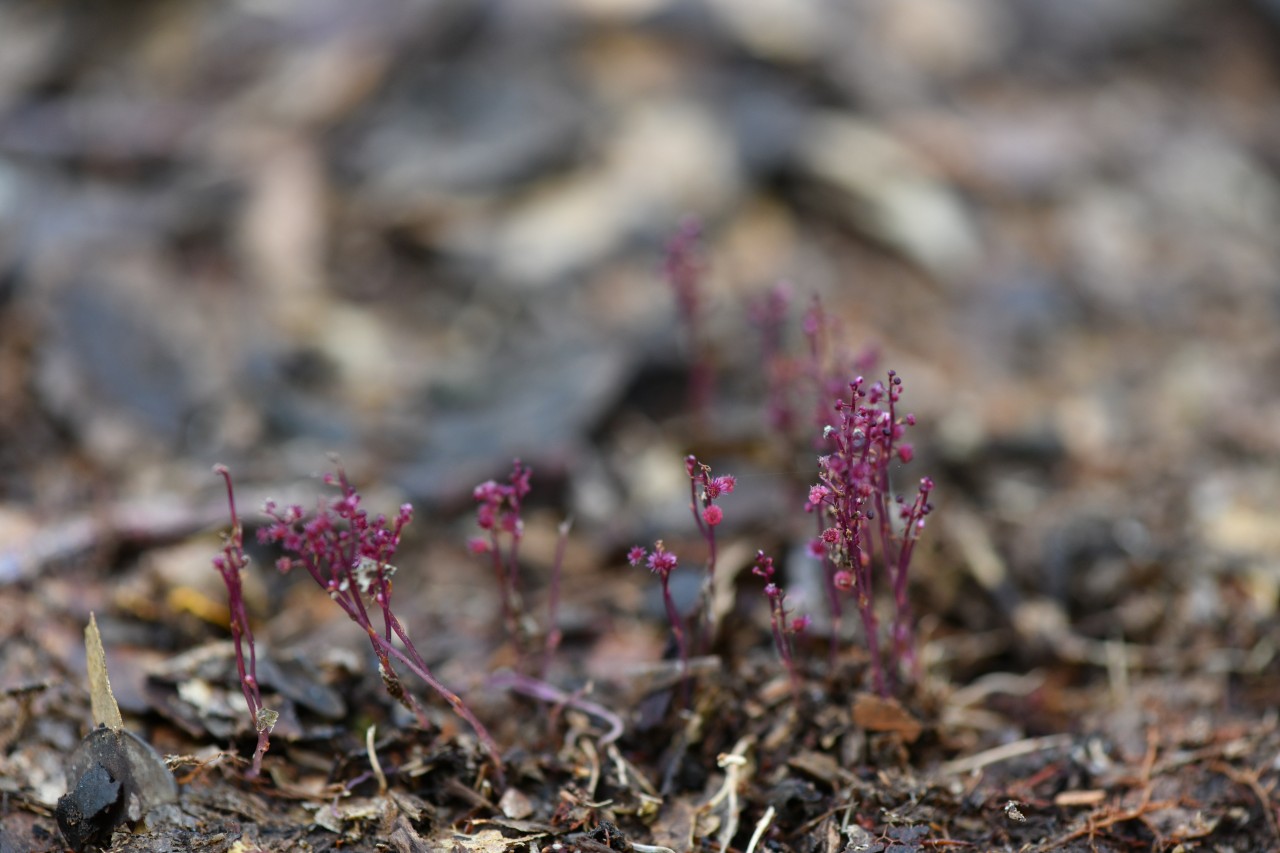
(884, 714)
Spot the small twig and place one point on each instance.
(369, 735)
(593, 758)
(733, 763)
(761, 827)
(627, 771)
(1249, 779)
(537, 689)
(1004, 752)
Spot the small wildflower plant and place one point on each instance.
(349, 554)
(784, 627)
(856, 508)
(498, 514)
(704, 490)
(231, 565)
(662, 563)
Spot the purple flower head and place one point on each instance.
(662, 562)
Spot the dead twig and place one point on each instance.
(1004, 752)
(1249, 779)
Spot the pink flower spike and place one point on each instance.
(713, 515)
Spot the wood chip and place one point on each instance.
(105, 710)
(883, 714)
(1079, 798)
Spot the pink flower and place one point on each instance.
(662, 562)
(636, 554)
(478, 545)
(713, 515)
(906, 452)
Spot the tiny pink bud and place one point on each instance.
(906, 452)
(477, 545)
(713, 515)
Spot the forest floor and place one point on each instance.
(429, 239)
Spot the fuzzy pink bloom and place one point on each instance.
(477, 545)
(636, 554)
(713, 515)
(662, 562)
(717, 486)
(906, 452)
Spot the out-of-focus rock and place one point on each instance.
(888, 191)
(664, 158)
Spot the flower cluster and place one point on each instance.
(662, 563)
(498, 513)
(231, 565)
(704, 490)
(349, 554)
(853, 501)
(705, 512)
(783, 625)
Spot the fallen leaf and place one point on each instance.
(883, 714)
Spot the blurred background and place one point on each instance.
(428, 235)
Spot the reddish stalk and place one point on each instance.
(231, 565)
